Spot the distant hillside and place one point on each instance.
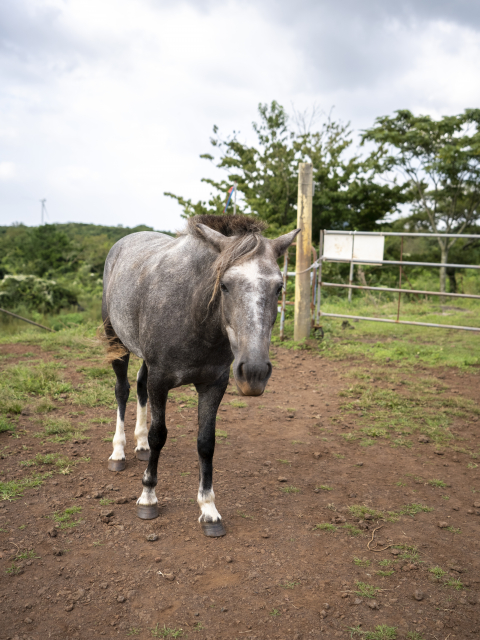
(78, 229)
(53, 250)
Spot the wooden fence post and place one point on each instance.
(304, 244)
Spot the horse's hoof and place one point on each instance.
(116, 465)
(143, 454)
(213, 529)
(147, 511)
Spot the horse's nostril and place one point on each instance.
(269, 369)
(240, 371)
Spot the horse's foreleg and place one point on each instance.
(209, 398)
(142, 449)
(116, 462)
(147, 507)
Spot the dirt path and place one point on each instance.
(300, 498)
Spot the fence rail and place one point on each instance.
(418, 324)
(392, 290)
(404, 263)
(15, 315)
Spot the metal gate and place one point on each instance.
(367, 248)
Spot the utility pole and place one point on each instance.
(304, 250)
(44, 209)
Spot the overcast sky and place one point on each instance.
(106, 104)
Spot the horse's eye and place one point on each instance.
(223, 288)
(279, 290)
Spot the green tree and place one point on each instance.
(440, 164)
(42, 251)
(347, 194)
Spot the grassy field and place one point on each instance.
(383, 401)
(404, 344)
(389, 415)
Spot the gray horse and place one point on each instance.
(188, 307)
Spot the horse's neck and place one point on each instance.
(207, 315)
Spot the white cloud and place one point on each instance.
(443, 80)
(7, 171)
(106, 105)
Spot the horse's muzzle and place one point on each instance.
(252, 377)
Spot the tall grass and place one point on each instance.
(90, 314)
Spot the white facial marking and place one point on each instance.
(249, 270)
(148, 497)
(119, 440)
(141, 429)
(232, 337)
(253, 304)
(206, 502)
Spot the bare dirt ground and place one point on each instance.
(300, 502)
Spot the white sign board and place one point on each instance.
(339, 246)
(368, 248)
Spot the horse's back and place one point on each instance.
(138, 278)
(136, 246)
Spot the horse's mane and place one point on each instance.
(227, 225)
(246, 232)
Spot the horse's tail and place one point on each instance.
(114, 348)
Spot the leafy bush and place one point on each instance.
(34, 294)
(67, 320)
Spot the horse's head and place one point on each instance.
(249, 283)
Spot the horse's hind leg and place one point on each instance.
(142, 449)
(147, 504)
(116, 462)
(209, 398)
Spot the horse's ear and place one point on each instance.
(281, 244)
(216, 239)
